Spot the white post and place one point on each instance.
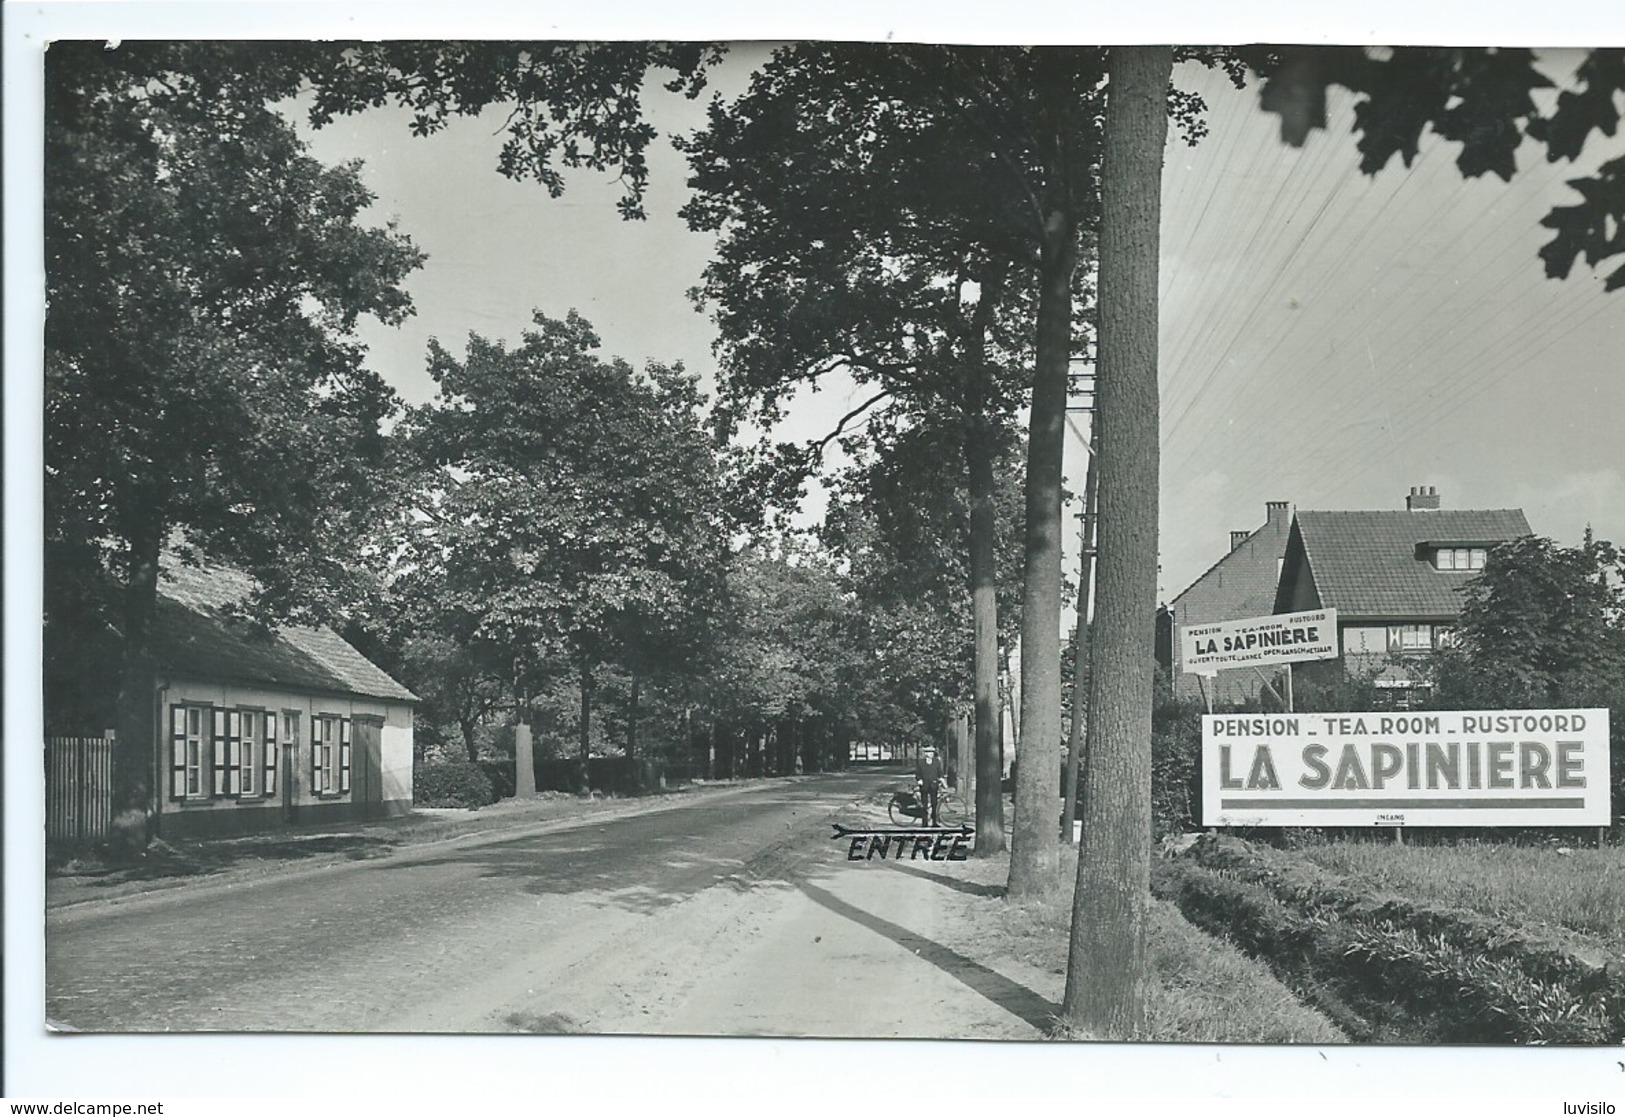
(524, 763)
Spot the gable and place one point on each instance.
(1242, 583)
(1375, 564)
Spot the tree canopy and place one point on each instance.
(1542, 625)
(566, 512)
(205, 276)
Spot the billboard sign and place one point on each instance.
(1205, 649)
(1431, 768)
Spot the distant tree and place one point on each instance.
(783, 673)
(568, 514)
(899, 525)
(864, 230)
(1542, 625)
(203, 385)
(455, 687)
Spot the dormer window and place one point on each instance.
(1459, 558)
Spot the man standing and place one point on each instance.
(928, 771)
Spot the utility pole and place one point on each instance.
(1080, 638)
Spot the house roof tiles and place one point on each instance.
(1366, 564)
(196, 636)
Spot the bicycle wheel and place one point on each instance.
(949, 809)
(903, 810)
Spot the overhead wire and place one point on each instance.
(1416, 373)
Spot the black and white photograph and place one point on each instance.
(1084, 545)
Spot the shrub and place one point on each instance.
(1176, 765)
(502, 774)
(451, 782)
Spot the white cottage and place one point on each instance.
(264, 729)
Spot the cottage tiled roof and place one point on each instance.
(195, 636)
(1365, 564)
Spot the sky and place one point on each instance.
(1327, 338)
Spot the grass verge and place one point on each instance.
(1389, 967)
(1202, 990)
(1582, 890)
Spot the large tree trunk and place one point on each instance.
(1106, 970)
(979, 450)
(981, 444)
(1035, 846)
(1080, 636)
(136, 716)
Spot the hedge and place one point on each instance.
(451, 782)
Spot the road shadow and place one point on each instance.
(641, 864)
(166, 862)
(1012, 996)
(968, 887)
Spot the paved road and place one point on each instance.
(734, 914)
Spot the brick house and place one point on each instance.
(261, 729)
(1241, 584)
(1395, 579)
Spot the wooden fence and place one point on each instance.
(78, 789)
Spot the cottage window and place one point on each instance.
(330, 754)
(251, 747)
(190, 743)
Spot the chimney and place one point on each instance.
(1277, 511)
(1237, 538)
(1422, 499)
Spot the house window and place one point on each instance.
(250, 749)
(330, 754)
(1410, 637)
(190, 744)
(1444, 636)
(222, 753)
(1459, 558)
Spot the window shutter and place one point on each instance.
(234, 752)
(344, 756)
(316, 755)
(218, 752)
(177, 741)
(273, 745)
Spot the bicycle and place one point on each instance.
(906, 808)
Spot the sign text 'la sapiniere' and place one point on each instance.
(1258, 641)
(1495, 768)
